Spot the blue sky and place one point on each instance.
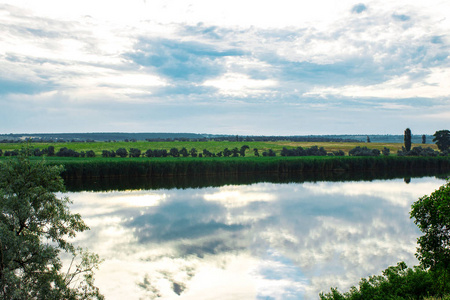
(225, 67)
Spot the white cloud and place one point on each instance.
(434, 85)
(197, 52)
(388, 191)
(240, 85)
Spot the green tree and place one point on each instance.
(235, 152)
(424, 139)
(396, 282)
(149, 153)
(51, 151)
(34, 227)
(174, 152)
(227, 152)
(122, 152)
(432, 216)
(442, 139)
(184, 152)
(407, 139)
(90, 153)
(134, 152)
(193, 152)
(242, 150)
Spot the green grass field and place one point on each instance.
(211, 146)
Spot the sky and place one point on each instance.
(225, 67)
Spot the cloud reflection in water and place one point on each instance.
(260, 241)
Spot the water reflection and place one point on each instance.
(258, 241)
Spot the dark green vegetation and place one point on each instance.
(163, 167)
(162, 159)
(432, 215)
(442, 139)
(432, 277)
(408, 139)
(214, 147)
(34, 227)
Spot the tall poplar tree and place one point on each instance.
(407, 139)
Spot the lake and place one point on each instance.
(256, 241)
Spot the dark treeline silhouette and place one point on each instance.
(235, 152)
(163, 137)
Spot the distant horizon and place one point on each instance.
(204, 133)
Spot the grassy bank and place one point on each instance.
(99, 167)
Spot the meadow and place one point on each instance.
(105, 167)
(212, 146)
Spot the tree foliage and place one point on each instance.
(184, 152)
(34, 227)
(134, 152)
(174, 152)
(397, 282)
(122, 152)
(242, 150)
(432, 216)
(193, 152)
(442, 139)
(363, 151)
(418, 151)
(407, 139)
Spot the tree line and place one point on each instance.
(441, 138)
(234, 152)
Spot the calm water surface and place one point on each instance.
(259, 241)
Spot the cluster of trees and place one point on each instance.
(364, 151)
(174, 152)
(431, 278)
(10, 153)
(34, 229)
(441, 138)
(312, 151)
(64, 152)
(419, 151)
(50, 151)
(183, 152)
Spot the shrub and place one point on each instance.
(122, 152)
(134, 152)
(364, 151)
(90, 153)
(418, 151)
(397, 282)
(65, 152)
